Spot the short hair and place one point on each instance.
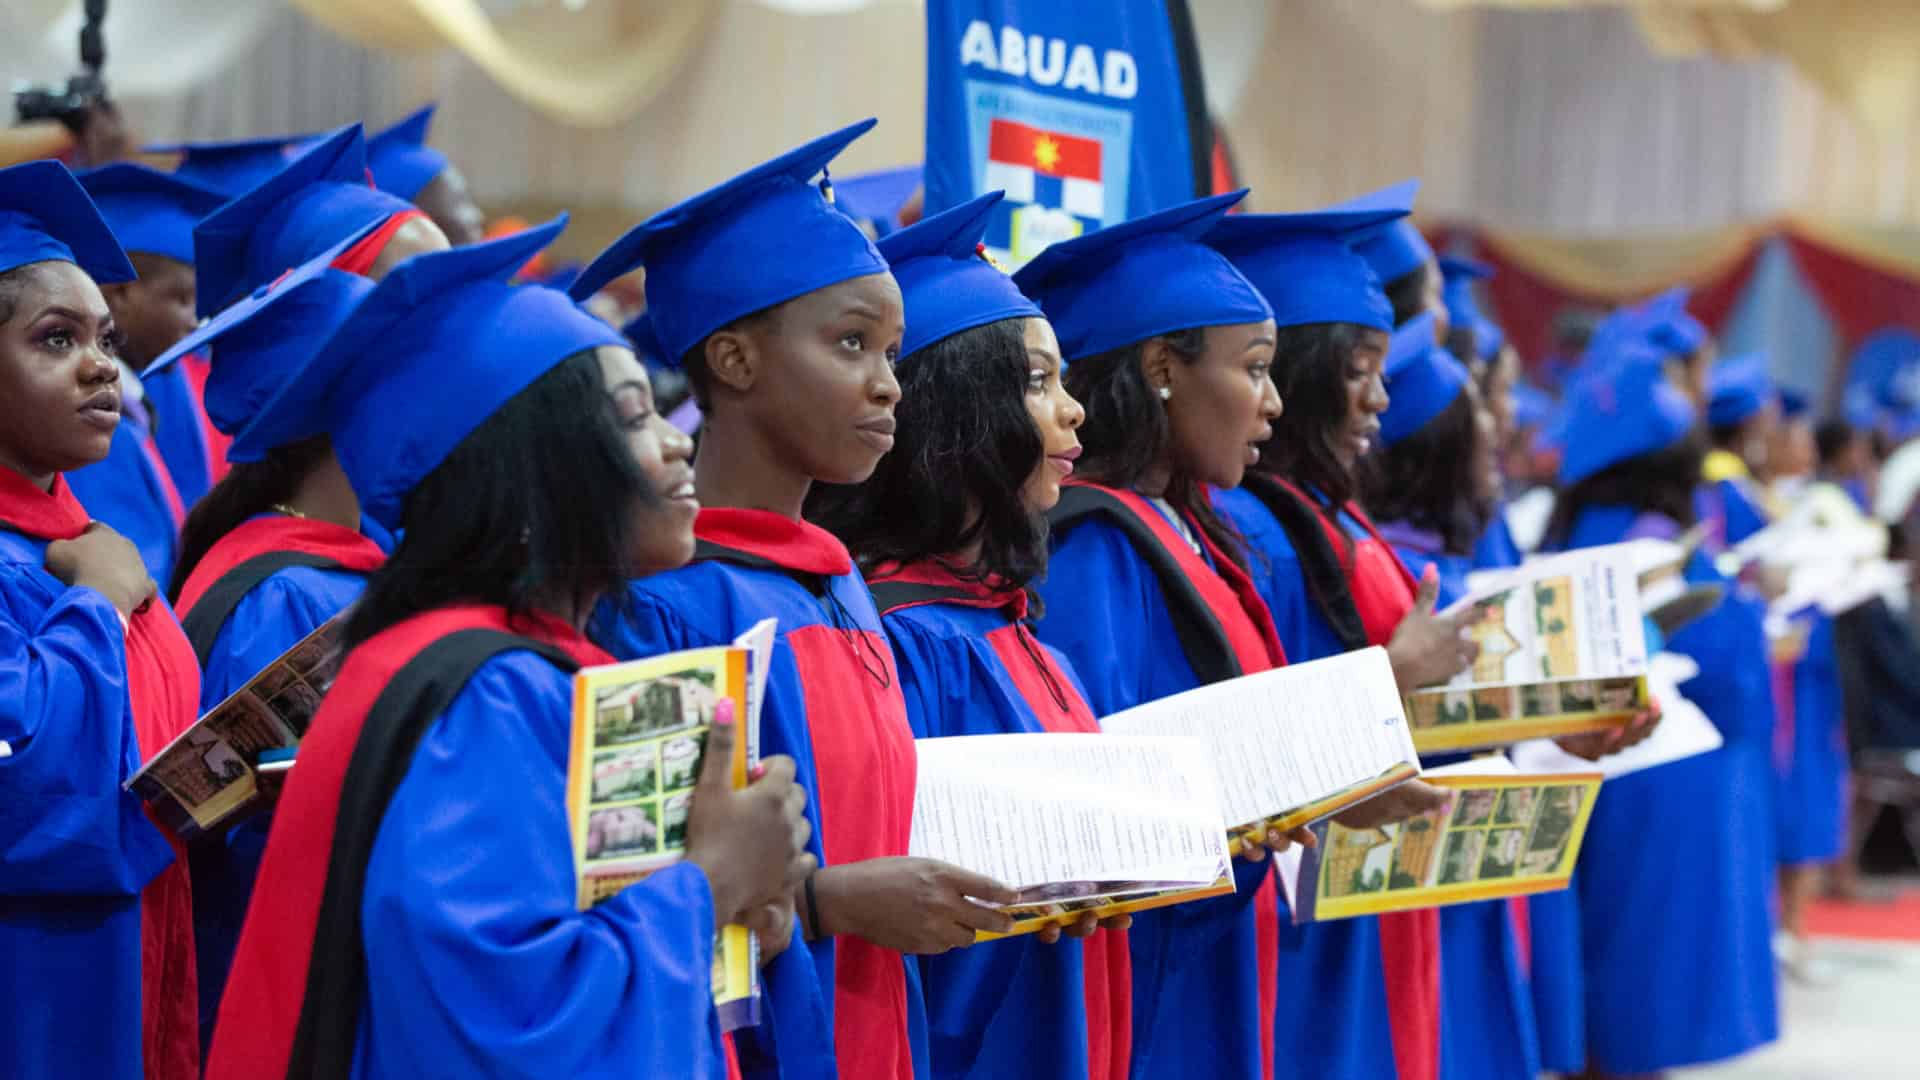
(1834, 438)
(1310, 370)
(1408, 293)
(1660, 481)
(965, 446)
(536, 502)
(1427, 481)
(1126, 430)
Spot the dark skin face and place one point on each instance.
(58, 374)
(1366, 394)
(446, 200)
(155, 311)
(663, 527)
(803, 393)
(1220, 406)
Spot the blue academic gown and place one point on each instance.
(75, 849)
(1487, 1027)
(712, 602)
(1195, 970)
(1014, 1007)
(270, 619)
(129, 493)
(1336, 966)
(462, 951)
(179, 431)
(1811, 797)
(1674, 878)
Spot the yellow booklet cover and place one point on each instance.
(1500, 834)
(1563, 650)
(639, 737)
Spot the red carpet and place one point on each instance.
(1894, 919)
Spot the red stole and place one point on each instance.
(267, 987)
(163, 688)
(864, 765)
(196, 368)
(1232, 597)
(1107, 966)
(264, 535)
(1383, 591)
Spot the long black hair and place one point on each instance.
(965, 445)
(1427, 479)
(1126, 431)
(249, 489)
(1660, 482)
(1310, 369)
(537, 503)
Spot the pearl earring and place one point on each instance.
(1166, 393)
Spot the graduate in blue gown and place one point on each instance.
(1679, 967)
(131, 491)
(96, 945)
(788, 324)
(270, 555)
(152, 214)
(1743, 412)
(1433, 486)
(1332, 585)
(523, 490)
(950, 532)
(1168, 348)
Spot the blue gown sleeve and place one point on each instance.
(67, 828)
(1095, 591)
(478, 963)
(269, 620)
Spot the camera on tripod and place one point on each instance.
(75, 102)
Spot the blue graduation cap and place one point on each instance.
(1397, 249)
(400, 159)
(45, 215)
(1131, 281)
(878, 196)
(646, 341)
(763, 238)
(150, 210)
(947, 284)
(1422, 380)
(1457, 278)
(1304, 264)
(1737, 388)
(1670, 328)
(261, 342)
(1615, 415)
(293, 215)
(445, 311)
(232, 166)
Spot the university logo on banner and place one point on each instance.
(1075, 108)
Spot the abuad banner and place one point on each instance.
(1086, 112)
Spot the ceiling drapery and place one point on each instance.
(591, 66)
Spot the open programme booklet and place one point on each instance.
(208, 778)
(1076, 822)
(639, 735)
(1501, 833)
(1292, 745)
(1563, 650)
